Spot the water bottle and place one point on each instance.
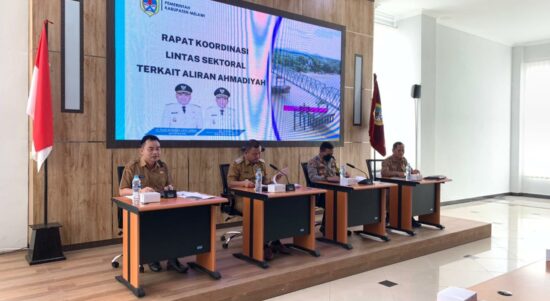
(408, 172)
(258, 182)
(342, 172)
(136, 186)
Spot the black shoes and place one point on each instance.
(155, 266)
(278, 247)
(268, 253)
(416, 224)
(174, 264)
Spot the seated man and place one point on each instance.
(242, 173)
(323, 168)
(396, 166)
(154, 176)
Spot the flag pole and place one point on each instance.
(45, 244)
(46, 192)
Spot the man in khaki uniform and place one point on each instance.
(395, 166)
(154, 176)
(242, 173)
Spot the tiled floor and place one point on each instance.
(520, 228)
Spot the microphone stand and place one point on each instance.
(366, 181)
(288, 186)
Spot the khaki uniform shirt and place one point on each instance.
(220, 119)
(157, 177)
(242, 169)
(177, 116)
(318, 169)
(394, 167)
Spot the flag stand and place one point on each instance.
(45, 245)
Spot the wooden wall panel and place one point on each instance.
(80, 191)
(354, 133)
(359, 16)
(327, 10)
(204, 175)
(362, 45)
(292, 6)
(42, 10)
(95, 27)
(80, 153)
(356, 154)
(91, 124)
(268, 3)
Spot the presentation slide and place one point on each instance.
(188, 70)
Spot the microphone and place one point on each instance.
(367, 181)
(288, 187)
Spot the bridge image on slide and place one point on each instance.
(315, 106)
(325, 95)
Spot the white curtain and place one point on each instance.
(535, 130)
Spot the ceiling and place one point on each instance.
(511, 22)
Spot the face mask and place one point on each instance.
(327, 157)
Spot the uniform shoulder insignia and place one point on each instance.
(239, 160)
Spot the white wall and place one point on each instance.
(14, 152)
(472, 114)
(397, 65)
(465, 106)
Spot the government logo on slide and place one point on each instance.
(150, 7)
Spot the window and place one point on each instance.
(536, 120)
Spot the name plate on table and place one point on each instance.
(276, 188)
(149, 197)
(348, 181)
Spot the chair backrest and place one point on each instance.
(371, 166)
(120, 171)
(224, 169)
(306, 175)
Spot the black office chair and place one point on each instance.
(229, 207)
(371, 166)
(115, 262)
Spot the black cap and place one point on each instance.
(222, 92)
(183, 88)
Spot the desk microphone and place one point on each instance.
(288, 187)
(366, 181)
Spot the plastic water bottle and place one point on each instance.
(136, 186)
(342, 172)
(258, 183)
(408, 172)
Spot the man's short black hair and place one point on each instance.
(326, 145)
(252, 143)
(148, 138)
(396, 144)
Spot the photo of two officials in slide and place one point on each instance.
(184, 114)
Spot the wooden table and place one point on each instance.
(348, 206)
(277, 215)
(411, 198)
(170, 229)
(529, 283)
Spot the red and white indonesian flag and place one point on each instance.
(39, 106)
